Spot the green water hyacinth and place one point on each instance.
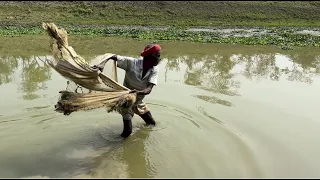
(285, 39)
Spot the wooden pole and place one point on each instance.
(115, 74)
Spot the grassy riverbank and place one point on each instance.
(163, 13)
(278, 21)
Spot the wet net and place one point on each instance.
(88, 87)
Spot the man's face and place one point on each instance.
(156, 58)
(152, 60)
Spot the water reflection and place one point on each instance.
(33, 75)
(215, 72)
(7, 66)
(129, 159)
(273, 66)
(134, 153)
(214, 100)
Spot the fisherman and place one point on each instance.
(141, 75)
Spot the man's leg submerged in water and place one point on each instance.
(127, 124)
(147, 117)
(143, 111)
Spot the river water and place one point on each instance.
(222, 111)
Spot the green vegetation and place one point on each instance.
(95, 18)
(162, 13)
(286, 39)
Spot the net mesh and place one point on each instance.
(90, 86)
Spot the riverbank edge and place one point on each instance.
(283, 37)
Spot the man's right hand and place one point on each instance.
(102, 64)
(114, 57)
(133, 91)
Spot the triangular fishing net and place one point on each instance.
(103, 91)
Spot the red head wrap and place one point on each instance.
(150, 50)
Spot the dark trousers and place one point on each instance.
(127, 122)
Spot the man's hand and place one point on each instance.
(102, 64)
(98, 67)
(133, 91)
(114, 57)
(144, 91)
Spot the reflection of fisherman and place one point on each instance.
(141, 75)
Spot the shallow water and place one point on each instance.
(229, 111)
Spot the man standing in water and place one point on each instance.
(141, 75)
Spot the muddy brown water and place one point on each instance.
(229, 111)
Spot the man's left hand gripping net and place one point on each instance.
(73, 67)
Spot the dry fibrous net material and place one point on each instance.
(103, 91)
